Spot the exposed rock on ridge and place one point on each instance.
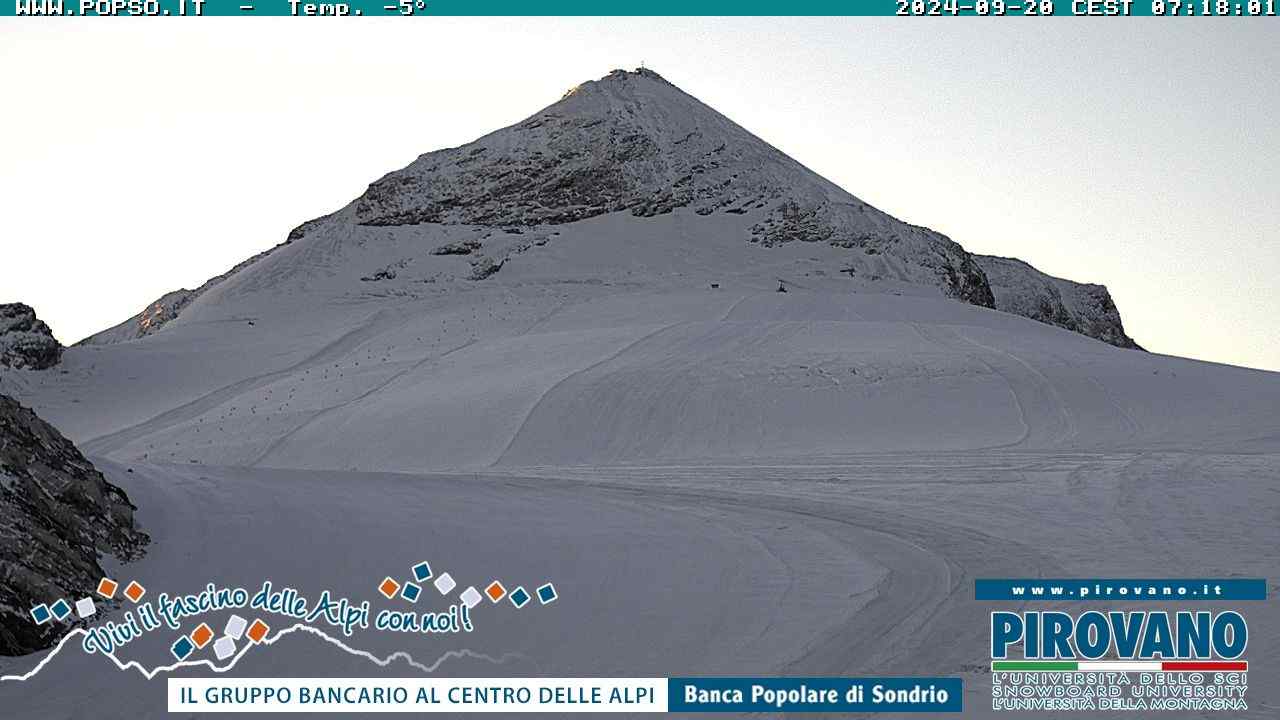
(633, 142)
(57, 516)
(26, 342)
(1084, 308)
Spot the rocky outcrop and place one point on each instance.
(150, 320)
(26, 342)
(461, 247)
(1084, 308)
(166, 309)
(633, 142)
(58, 515)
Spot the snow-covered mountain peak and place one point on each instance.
(633, 142)
(641, 184)
(621, 76)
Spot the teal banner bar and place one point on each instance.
(428, 8)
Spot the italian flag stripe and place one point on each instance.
(1119, 665)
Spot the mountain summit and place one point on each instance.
(633, 145)
(633, 142)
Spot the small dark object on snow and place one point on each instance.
(715, 286)
(782, 288)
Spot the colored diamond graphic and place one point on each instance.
(258, 630)
(445, 584)
(411, 592)
(389, 588)
(519, 597)
(41, 614)
(235, 627)
(422, 572)
(495, 591)
(135, 591)
(546, 593)
(107, 588)
(60, 609)
(182, 648)
(85, 608)
(224, 648)
(202, 635)
(470, 597)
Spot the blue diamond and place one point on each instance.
(40, 614)
(422, 572)
(182, 648)
(519, 597)
(61, 609)
(410, 592)
(547, 593)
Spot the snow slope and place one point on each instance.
(861, 567)
(609, 345)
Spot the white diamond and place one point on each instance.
(445, 583)
(235, 627)
(224, 648)
(85, 608)
(470, 597)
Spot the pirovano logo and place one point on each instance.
(1129, 660)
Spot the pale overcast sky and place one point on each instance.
(143, 156)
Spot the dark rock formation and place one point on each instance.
(633, 142)
(164, 310)
(461, 247)
(1084, 308)
(58, 515)
(25, 341)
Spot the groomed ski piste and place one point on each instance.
(723, 481)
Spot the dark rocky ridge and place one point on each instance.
(1080, 307)
(633, 142)
(26, 342)
(58, 515)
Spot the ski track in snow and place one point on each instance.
(311, 420)
(568, 378)
(339, 347)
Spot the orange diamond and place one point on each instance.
(389, 588)
(135, 591)
(107, 588)
(258, 630)
(201, 635)
(495, 591)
